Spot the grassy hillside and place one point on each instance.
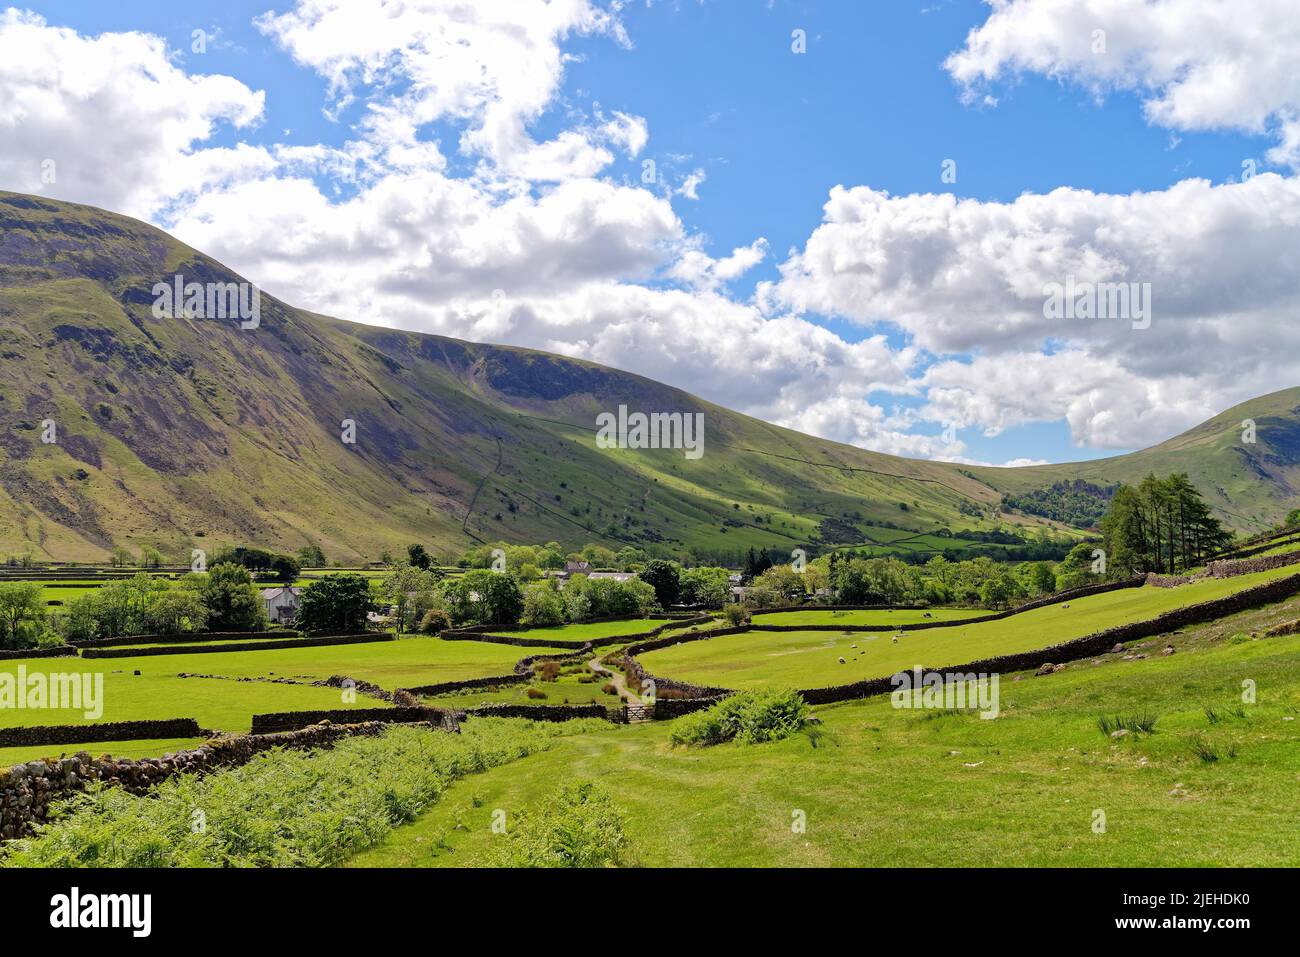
(189, 433)
(1250, 485)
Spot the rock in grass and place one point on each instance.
(1046, 668)
(1169, 650)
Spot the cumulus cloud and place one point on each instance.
(494, 67)
(111, 120)
(1201, 64)
(967, 276)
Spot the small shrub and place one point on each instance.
(752, 717)
(547, 670)
(1211, 715)
(435, 620)
(736, 614)
(536, 693)
(609, 688)
(579, 826)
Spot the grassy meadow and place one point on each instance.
(889, 616)
(229, 705)
(811, 659)
(886, 787)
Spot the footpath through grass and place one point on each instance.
(811, 659)
(890, 787)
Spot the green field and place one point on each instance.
(898, 617)
(888, 787)
(229, 705)
(148, 748)
(588, 631)
(566, 689)
(811, 659)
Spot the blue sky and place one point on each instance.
(872, 104)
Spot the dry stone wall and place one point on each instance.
(27, 790)
(35, 736)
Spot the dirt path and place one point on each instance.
(618, 679)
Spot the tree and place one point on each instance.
(704, 586)
(280, 568)
(484, 598)
(778, 585)
(173, 611)
(1162, 525)
(410, 589)
(665, 578)
(232, 601)
(311, 556)
(1292, 518)
(150, 557)
(542, 605)
(417, 556)
(120, 557)
(335, 603)
(1035, 578)
(996, 592)
(1075, 569)
(22, 614)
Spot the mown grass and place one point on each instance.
(147, 748)
(888, 787)
(811, 659)
(899, 617)
(229, 705)
(585, 631)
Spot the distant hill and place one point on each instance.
(183, 433)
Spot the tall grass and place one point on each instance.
(1144, 723)
(578, 826)
(750, 716)
(283, 808)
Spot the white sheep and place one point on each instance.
(843, 662)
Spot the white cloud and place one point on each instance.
(698, 269)
(121, 122)
(965, 276)
(1202, 64)
(496, 67)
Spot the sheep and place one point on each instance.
(895, 639)
(1065, 606)
(927, 615)
(842, 661)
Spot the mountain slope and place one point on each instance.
(1251, 485)
(185, 432)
